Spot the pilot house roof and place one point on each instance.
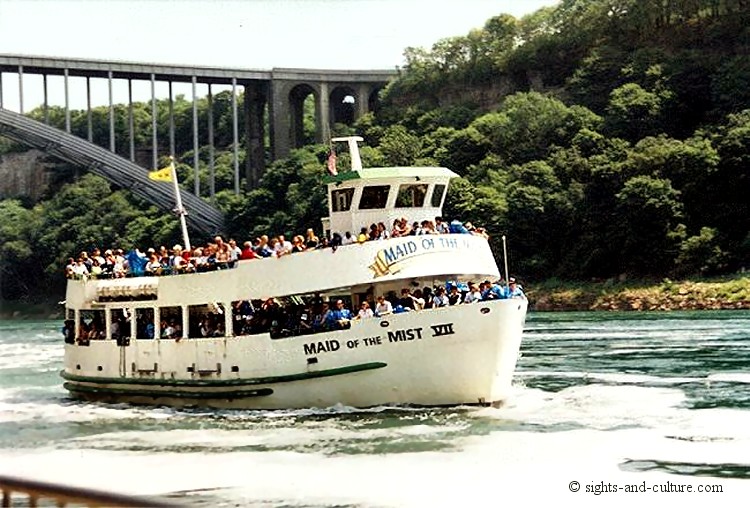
(390, 173)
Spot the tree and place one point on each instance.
(634, 113)
(459, 150)
(19, 266)
(399, 146)
(731, 85)
(701, 254)
(650, 213)
(689, 165)
(528, 125)
(729, 188)
(597, 75)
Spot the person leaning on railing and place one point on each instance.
(219, 255)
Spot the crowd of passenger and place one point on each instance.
(287, 317)
(317, 315)
(220, 255)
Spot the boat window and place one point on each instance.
(119, 323)
(206, 321)
(341, 199)
(91, 326)
(411, 196)
(437, 195)
(243, 312)
(374, 196)
(144, 324)
(171, 322)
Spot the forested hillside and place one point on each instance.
(605, 138)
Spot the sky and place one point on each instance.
(246, 34)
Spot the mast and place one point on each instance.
(353, 150)
(179, 209)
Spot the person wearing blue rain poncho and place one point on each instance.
(457, 227)
(136, 263)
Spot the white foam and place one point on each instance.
(488, 470)
(54, 410)
(29, 355)
(730, 377)
(322, 435)
(610, 377)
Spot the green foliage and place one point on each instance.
(19, 269)
(459, 150)
(649, 211)
(601, 137)
(634, 113)
(528, 125)
(399, 146)
(701, 254)
(731, 85)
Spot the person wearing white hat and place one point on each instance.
(514, 290)
(176, 260)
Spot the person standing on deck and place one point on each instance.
(513, 290)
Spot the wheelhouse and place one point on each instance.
(363, 196)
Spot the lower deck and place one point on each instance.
(450, 355)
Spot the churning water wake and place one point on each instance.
(657, 401)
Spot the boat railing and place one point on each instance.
(17, 490)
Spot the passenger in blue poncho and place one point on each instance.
(457, 227)
(136, 263)
(340, 317)
(513, 290)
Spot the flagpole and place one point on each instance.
(505, 259)
(179, 208)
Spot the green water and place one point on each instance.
(597, 397)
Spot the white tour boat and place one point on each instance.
(459, 354)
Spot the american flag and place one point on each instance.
(332, 163)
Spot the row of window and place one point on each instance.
(375, 197)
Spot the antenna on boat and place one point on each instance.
(505, 259)
(353, 150)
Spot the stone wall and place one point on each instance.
(24, 174)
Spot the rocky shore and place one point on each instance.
(724, 294)
(667, 295)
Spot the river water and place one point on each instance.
(603, 402)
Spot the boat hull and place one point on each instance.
(465, 354)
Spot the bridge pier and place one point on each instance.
(256, 96)
(286, 108)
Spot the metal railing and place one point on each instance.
(23, 492)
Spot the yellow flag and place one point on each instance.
(161, 175)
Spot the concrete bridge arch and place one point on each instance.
(338, 99)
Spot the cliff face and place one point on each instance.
(24, 174)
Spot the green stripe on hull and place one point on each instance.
(193, 383)
(125, 392)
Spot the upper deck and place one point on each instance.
(398, 261)
(357, 198)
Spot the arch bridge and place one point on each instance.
(273, 102)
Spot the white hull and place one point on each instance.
(409, 358)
